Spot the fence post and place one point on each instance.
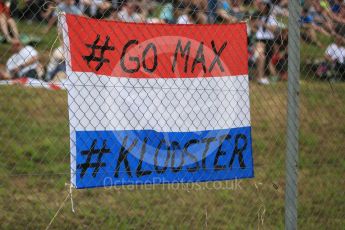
(292, 115)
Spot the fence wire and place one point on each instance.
(35, 175)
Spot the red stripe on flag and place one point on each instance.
(137, 50)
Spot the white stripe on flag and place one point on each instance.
(164, 105)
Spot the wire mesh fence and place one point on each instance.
(35, 156)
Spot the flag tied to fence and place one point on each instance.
(156, 103)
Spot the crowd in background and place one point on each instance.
(266, 20)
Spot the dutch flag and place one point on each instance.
(156, 103)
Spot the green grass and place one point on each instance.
(34, 166)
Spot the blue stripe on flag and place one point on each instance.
(109, 158)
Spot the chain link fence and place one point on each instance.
(35, 189)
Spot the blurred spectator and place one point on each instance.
(278, 64)
(310, 28)
(338, 15)
(68, 7)
(201, 4)
(130, 12)
(267, 39)
(95, 8)
(7, 24)
(318, 13)
(114, 14)
(230, 11)
(196, 15)
(212, 10)
(337, 6)
(183, 16)
(150, 16)
(223, 13)
(56, 66)
(335, 13)
(266, 27)
(326, 21)
(167, 13)
(279, 7)
(237, 10)
(335, 56)
(48, 10)
(192, 15)
(23, 62)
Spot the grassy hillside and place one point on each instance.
(34, 167)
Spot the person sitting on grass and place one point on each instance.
(309, 29)
(335, 57)
(23, 62)
(7, 24)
